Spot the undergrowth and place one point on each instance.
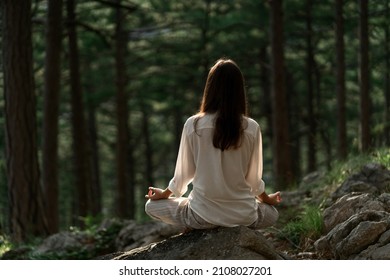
(341, 170)
(307, 225)
(5, 244)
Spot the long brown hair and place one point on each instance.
(224, 94)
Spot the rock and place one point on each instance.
(294, 198)
(364, 235)
(357, 224)
(215, 244)
(136, 235)
(372, 178)
(81, 244)
(61, 242)
(311, 180)
(351, 204)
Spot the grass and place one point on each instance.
(308, 225)
(341, 170)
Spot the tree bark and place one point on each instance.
(148, 145)
(122, 147)
(50, 114)
(311, 115)
(365, 102)
(387, 77)
(265, 86)
(96, 193)
(78, 120)
(340, 83)
(280, 114)
(27, 217)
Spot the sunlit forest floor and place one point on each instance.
(300, 222)
(304, 249)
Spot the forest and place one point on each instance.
(95, 94)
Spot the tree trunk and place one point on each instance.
(365, 102)
(50, 114)
(205, 29)
(281, 141)
(295, 122)
(96, 193)
(27, 217)
(387, 77)
(265, 86)
(148, 145)
(78, 121)
(311, 114)
(122, 146)
(340, 83)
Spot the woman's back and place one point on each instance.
(221, 155)
(225, 182)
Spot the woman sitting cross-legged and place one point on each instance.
(221, 155)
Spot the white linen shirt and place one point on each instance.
(224, 183)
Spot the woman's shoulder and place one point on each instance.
(252, 126)
(251, 123)
(200, 119)
(191, 120)
(189, 124)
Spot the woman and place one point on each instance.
(221, 155)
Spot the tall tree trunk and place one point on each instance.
(265, 86)
(50, 114)
(387, 76)
(365, 102)
(295, 122)
(340, 83)
(322, 130)
(78, 120)
(122, 146)
(311, 115)
(177, 120)
(96, 193)
(27, 217)
(205, 29)
(148, 145)
(281, 140)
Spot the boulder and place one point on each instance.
(364, 235)
(357, 224)
(135, 235)
(372, 178)
(214, 244)
(62, 242)
(351, 204)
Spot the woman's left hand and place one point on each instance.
(157, 193)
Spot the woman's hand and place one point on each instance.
(275, 198)
(157, 193)
(271, 199)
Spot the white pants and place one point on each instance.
(175, 211)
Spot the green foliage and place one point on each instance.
(170, 48)
(97, 241)
(308, 225)
(5, 245)
(342, 170)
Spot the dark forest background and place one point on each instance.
(95, 94)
